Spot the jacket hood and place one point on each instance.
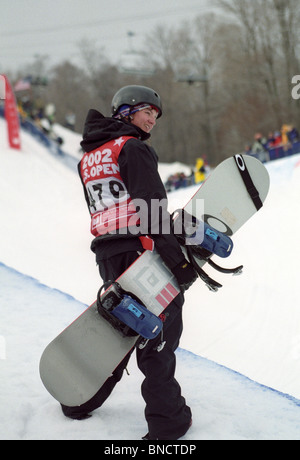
(99, 129)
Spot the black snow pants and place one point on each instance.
(166, 412)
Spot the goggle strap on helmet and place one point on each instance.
(126, 110)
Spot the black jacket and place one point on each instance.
(138, 168)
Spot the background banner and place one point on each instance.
(11, 116)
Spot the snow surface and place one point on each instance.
(250, 326)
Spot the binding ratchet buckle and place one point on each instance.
(126, 313)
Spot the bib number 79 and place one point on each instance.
(104, 194)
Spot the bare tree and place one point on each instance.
(288, 16)
(271, 40)
(221, 77)
(68, 91)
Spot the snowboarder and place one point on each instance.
(126, 172)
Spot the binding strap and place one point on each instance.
(251, 189)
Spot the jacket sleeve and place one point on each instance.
(138, 169)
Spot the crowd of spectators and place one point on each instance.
(181, 179)
(43, 116)
(34, 110)
(282, 140)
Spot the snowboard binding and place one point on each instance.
(201, 241)
(126, 313)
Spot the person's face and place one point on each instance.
(145, 119)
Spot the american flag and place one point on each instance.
(22, 85)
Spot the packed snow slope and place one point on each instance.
(225, 404)
(252, 325)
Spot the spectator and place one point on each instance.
(259, 147)
(70, 120)
(293, 135)
(200, 171)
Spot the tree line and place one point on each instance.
(222, 77)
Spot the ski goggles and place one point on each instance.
(126, 110)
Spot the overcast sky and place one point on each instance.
(54, 27)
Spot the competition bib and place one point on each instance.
(110, 204)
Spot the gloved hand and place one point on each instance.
(185, 274)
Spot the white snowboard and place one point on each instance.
(79, 360)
